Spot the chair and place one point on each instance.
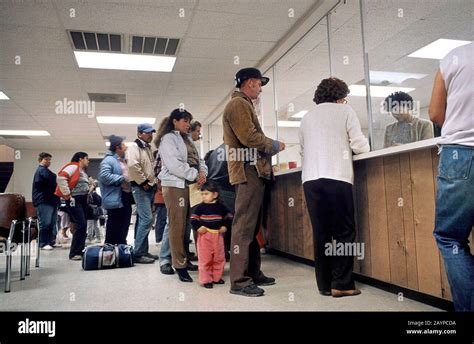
(33, 231)
(13, 230)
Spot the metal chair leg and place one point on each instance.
(22, 253)
(37, 247)
(9, 257)
(28, 246)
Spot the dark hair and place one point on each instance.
(194, 125)
(167, 126)
(397, 99)
(210, 186)
(330, 90)
(43, 155)
(207, 156)
(78, 156)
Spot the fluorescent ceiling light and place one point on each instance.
(380, 77)
(127, 143)
(300, 114)
(376, 91)
(438, 49)
(289, 124)
(90, 59)
(124, 120)
(24, 133)
(3, 96)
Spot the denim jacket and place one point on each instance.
(110, 181)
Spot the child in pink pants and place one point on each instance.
(211, 219)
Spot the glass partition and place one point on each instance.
(405, 41)
(296, 76)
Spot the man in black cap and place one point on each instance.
(249, 164)
(143, 181)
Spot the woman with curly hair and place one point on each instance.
(328, 136)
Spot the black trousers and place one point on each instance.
(118, 221)
(78, 213)
(331, 210)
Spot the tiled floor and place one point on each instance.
(61, 285)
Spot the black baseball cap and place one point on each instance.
(249, 73)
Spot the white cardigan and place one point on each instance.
(328, 136)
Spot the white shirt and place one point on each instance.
(457, 70)
(328, 136)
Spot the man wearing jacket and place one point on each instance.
(116, 191)
(248, 172)
(143, 182)
(45, 202)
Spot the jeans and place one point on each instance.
(47, 218)
(160, 222)
(454, 221)
(143, 200)
(165, 250)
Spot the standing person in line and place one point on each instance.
(73, 187)
(94, 203)
(193, 136)
(46, 202)
(159, 203)
(143, 181)
(328, 136)
(211, 220)
(218, 173)
(180, 167)
(452, 109)
(116, 192)
(242, 132)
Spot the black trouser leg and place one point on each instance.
(77, 212)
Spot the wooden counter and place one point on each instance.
(395, 208)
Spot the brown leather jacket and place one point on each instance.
(242, 131)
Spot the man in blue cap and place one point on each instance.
(143, 182)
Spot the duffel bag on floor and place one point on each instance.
(99, 257)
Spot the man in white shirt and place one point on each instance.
(452, 109)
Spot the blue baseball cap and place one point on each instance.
(146, 128)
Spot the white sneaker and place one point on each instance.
(47, 248)
(57, 245)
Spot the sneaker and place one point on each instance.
(208, 285)
(191, 267)
(341, 293)
(251, 291)
(167, 269)
(47, 248)
(221, 281)
(57, 245)
(76, 257)
(184, 275)
(265, 281)
(152, 256)
(143, 260)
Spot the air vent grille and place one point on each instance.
(154, 45)
(94, 41)
(108, 97)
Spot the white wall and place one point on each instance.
(26, 165)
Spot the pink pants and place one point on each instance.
(211, 262)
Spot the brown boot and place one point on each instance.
(341, 293)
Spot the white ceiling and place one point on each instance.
(212, 33)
